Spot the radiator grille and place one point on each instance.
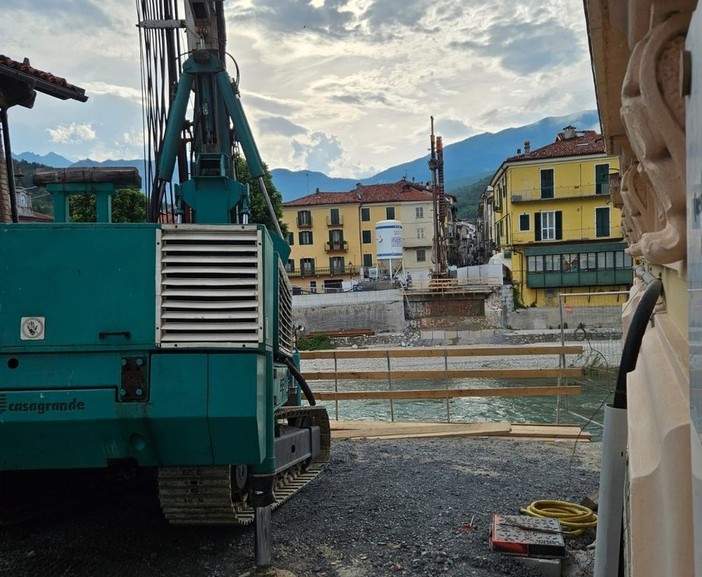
(210, 284)
(285, 324)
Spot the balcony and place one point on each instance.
(342, 246)
(337, 221)
(318, 271)
(560, 193)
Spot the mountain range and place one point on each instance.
(465, 162)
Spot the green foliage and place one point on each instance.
(468, 198)
(314, 343)
(42, 201)
(517, 297)
(259, 207)
(128, 205)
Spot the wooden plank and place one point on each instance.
(376, 430)
(428, 394)
(549, 431)
(405, 352)
(457, 374)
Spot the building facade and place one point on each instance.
(552, 214)
(333, 236)
(647, 63)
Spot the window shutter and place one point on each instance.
(537, 226)
(559, 225)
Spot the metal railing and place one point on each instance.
(559, 192)
(398, 371)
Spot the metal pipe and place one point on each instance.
(263, 554)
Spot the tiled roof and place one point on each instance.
(401, 190)
(42, 81)
(582, 142)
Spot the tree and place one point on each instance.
(259, 208)
(128, 205)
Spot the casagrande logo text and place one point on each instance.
(41, 407)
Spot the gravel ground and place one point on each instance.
(380, 508)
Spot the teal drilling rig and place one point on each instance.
(167, 344)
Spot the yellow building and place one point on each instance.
(553, 215)
(332, 235)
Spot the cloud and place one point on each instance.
(452, 128)
(106, 89)
(72, 133)
(319, 152)
(281, 126)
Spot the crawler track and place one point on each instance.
(209, 496)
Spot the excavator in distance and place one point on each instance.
(167, 344)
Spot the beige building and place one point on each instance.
(647, 63)
(334, 236)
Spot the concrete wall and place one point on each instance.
(536, 318)
(381, 311)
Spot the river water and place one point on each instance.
(585, 410)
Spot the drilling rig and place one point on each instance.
(166, 345)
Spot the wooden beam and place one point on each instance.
(428, 394)
(406, 352)
(439, 374)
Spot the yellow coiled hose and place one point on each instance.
(574, 518)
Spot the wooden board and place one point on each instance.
(405, 352)
(418, 430)
(377, 430)
(549, 431)
(439, 374)
(429, 394)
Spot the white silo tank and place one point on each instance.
(388, 242)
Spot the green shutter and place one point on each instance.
(559, 225)
(537, 226)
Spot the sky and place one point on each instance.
(344, 87)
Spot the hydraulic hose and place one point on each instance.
(301, 381)
(574, 519)
(635, 335)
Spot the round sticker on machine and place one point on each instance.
(32, 328)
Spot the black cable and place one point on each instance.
(635, 335)
(301, 380)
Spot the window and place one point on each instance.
(547, 183)
(602, 221)
(307, 266)
(421, 255)
(290, 265)
(366, 236)
(304, 218)
(291, 238)
(305, 237)
(602, 179)
(420, 233)
(419, 212)
(390, 212)
(365, 214)
(548, 225)
(313, 286)
(367, 260)
(334, 216)
(523, 222)
(336, 265)
(336, 239)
